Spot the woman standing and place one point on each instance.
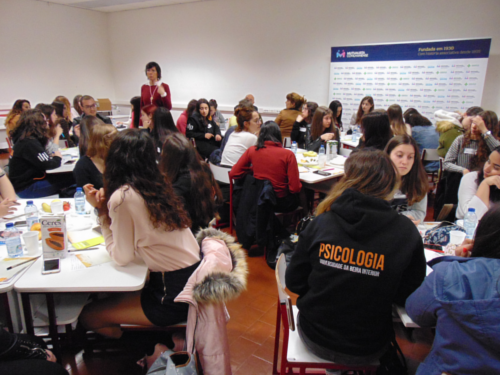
(155, 93)
(322, 130)
(12, 118)
(480, 190)
(365, 106)
(288, 116)
(397, 121)
(351, 253)
(205, 131)
(470, 150)
(300, 125)
(411, 199)
(140, 214)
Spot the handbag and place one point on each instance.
(441, 235)
(174, 363)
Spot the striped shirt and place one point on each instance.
(458, 159)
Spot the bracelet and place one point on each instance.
(484, 135)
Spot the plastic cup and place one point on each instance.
(31, 241)
(57, 208)
(457, 237)
(322, 160)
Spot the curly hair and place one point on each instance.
(131, 162)
(31, 124)
(491, 122)
(17, 109)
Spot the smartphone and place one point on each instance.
(20, 223)
(51, 266)
(70, 162)
(322, 173)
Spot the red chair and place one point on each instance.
(294, 353)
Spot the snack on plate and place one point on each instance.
(54, 236)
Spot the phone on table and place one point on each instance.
(51, 266)
(322, 173)
(22, 223)
(70, 161)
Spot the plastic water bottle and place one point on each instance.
(355, 134)
(80, 201)
(13, 241)
(322, 157)
(322, 150)
(470, 223)
(31, 214)
(294, 147)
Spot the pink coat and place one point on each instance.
(222, 275)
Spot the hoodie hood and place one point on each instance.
(357, 212)
(453, 117)
(229, 270)
(443, 126)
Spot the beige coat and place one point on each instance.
(221, 276)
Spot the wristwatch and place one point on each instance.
(484, 135)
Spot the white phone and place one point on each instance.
(51, 266)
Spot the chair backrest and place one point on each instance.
(284, 298)
(430, 154)
(287, 142)
(345, 151)
(220, 173)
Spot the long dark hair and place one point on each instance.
(191, 107)
(270, 131)
(494, 191)
(360, 112)
(198, 105)
(487, 240)
(317, 128)
(47, 110)
(334, 106)
(414, 184)
(131, 161)
(31, 124)
(414, 118)
(178, 153)
(376, 130)
(86, 126)
(136, 104)
(17, 109)
(311, 109)
(163, 126)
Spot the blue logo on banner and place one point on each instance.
(341, 54)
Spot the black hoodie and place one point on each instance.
(351, 264)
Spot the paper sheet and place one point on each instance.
(6, 275)
(94, 258)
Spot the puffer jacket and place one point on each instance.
(448, 131)
(221, 276)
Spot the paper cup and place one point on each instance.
(457, 237)
(31, 241)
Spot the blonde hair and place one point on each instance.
(398, 125)
(371, 173)
(297, 99)
(100, 139)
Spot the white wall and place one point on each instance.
(48, 50)
(224, 49)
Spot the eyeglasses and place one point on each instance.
(90, 106)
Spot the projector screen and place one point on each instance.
(432, 75)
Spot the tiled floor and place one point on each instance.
(251, 332)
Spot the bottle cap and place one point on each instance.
(472, 210)
(78, 189)
(9, 225)
(29, 202)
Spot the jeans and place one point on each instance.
(50, 185)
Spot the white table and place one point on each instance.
(69, 154)
(107, 277)
(316, 181)
(347, 141)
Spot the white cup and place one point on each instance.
(457, 237)
(31, 241)
(322, 160)
(57, 208)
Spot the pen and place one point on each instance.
(20, 264)
(87, 248)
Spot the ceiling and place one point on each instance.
(117, 5)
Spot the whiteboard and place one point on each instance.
(428, 76)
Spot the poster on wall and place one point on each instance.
(428, 76)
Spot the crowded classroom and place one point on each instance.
(209, 205)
